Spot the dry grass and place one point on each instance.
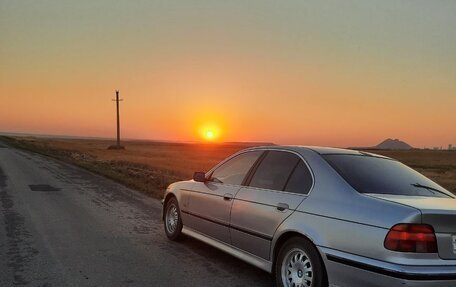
(145, 165)
(151, 166)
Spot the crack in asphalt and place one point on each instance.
(19, 247)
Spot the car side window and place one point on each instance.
(300, 180)
(274, 170)
(234, 170)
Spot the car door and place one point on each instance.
(207, 205)
(279, 183)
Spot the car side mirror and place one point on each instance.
(199, 176)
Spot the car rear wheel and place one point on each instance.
(173, 220)
(299, 265)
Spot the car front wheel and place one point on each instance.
(299, 265)
(173, 220)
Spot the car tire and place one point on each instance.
(299, 264)
(173, 220)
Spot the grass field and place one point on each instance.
(150, 166)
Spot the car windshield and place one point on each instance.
(371, 174)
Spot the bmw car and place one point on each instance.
(315, 216)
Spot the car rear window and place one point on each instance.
(371, 174)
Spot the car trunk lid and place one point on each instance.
(440, 213)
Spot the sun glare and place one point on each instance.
(209, 135)
(209, 132)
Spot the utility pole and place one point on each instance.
(117, 100)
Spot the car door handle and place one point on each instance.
(282, 206)
(227, 196)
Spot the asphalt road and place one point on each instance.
(63, 226)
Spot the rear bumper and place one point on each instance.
(347, 270)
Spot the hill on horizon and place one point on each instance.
(393, 144)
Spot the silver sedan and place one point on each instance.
(317, 216)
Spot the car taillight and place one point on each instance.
(418, 238)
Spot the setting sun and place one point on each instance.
(209, 135)
(209, 131)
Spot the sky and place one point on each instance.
(332, 73)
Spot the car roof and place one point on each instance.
(320, 150)
(317, 149)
